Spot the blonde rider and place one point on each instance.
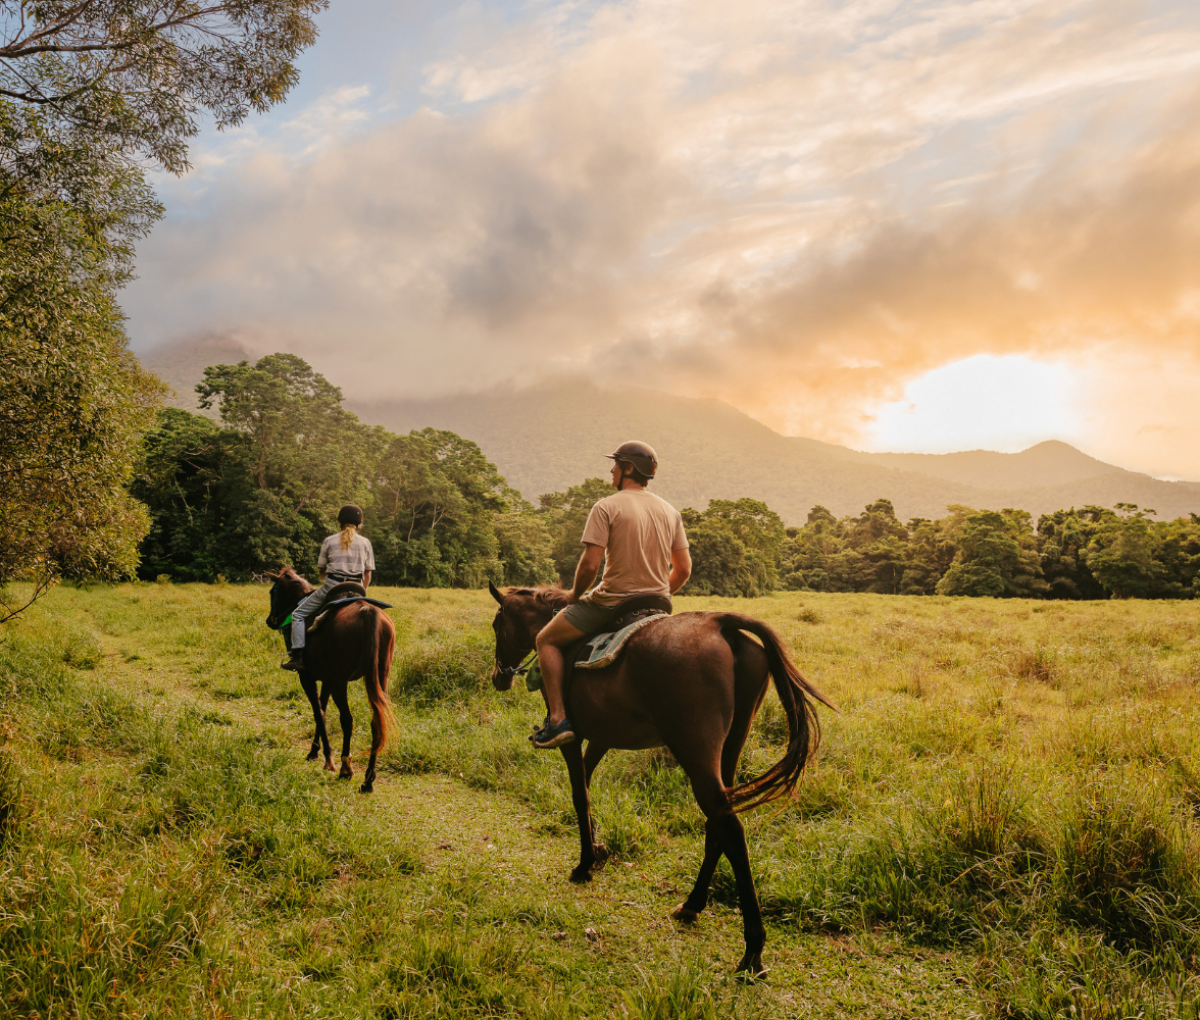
(346, 556)
(641, 540)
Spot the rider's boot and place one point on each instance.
(554, 735)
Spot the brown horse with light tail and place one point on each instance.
(693, 683)
(353, 641)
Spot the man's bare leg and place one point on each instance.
(551, 641)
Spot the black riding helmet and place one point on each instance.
(350, 514)
(640, 455)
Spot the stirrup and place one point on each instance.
(295, 662)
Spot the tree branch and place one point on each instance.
(29, 47)
(41, 585)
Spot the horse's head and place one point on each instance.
(521, 614)
(287, 589)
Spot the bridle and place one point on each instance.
(273, 620)
(514, 671)
(271, 616)
(524, 667)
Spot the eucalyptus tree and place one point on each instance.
(93, 93)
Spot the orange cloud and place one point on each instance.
(798, 210)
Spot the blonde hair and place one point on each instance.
(346, 538)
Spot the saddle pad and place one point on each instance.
(602, 650)
(337, 604)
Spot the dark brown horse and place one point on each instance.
(353, 641)
(693, 683)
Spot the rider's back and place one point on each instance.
(638, 531)
(355, 559)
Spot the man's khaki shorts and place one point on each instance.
(590, 617)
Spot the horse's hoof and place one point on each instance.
(366, 788)
(346, 773)
(581, 875)
(684, 914)
(329, 766)
(600, 851)
(312, 756)
(751, 968)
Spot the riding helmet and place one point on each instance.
(640, 455)
(350, 514)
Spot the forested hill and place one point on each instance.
(548, 437)
(545, 438)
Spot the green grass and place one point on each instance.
(1003, 822)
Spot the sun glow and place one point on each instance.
(983, 402)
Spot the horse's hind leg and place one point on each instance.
(368, 783)
(723, 830)
(320, 735)
(342, 700)
(748, 695)
(752, 927)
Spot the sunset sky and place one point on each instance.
(893, 225)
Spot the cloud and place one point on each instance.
(799, 209)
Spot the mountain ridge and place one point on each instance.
(552, 435)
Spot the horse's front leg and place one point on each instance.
(591, 758)
(583, 811)
(320, 736)
(690, 908)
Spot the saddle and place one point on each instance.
(596, 651)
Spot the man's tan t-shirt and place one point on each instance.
(638, 532)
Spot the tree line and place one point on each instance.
(260, 488)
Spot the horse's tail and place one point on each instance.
(804, 729)
(377, 665)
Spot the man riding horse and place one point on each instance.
(345, 556)
(691, 683)
(640, 539)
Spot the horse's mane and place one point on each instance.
(547, 594)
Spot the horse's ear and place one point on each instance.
(495, 592)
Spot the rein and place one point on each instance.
(520, 670)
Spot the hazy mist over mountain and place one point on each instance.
(547, 437)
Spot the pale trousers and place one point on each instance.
(307, 610)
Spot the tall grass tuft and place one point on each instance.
(443, 668)
(10, 817)
(1054, 975)
(1127, 867)
(682, 993)
(985, 819)
(69, 946)
(445, 974)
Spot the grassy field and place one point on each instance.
(1003, 822)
